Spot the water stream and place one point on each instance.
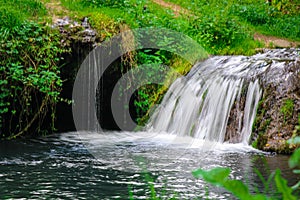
(62, 167)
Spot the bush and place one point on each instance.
(30, 81)
(254, 14)
(217, 32)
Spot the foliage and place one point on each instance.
(287, 109)
(278, 18)
(286, 6)
(30, 81)
(294, 161)
(296, 131)
(219, 177)
(106, 3)
(14, 12)
(217, 32)
(144, 97)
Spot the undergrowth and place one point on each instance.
(30, 77)
(277, 18)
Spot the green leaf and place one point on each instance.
(259, 197)
(296, 186)
(238, 188)
(216, 176)
(294, 160)
(296, 171)
(282, 187)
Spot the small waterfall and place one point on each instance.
(200, 104)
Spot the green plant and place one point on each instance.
(296, 131)
(31, 83)
(287, 109)
(254, 144)
(14, 12)
(153, 59)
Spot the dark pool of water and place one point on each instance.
(62, 167)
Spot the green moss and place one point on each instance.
(287, 109)
(262, 140)
(254, 144)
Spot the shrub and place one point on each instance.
(30, 80)
(217, 32)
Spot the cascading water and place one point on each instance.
(216, 101)
(199, 105)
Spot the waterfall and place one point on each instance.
(200, 104)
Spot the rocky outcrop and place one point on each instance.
(278, 113)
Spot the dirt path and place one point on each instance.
(176, 8)
(271, 41)
(55, 9)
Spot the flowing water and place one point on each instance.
(199, 105)
(189, 130)
(62, 167)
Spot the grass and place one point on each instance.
(257, 16)
(216, 33)
(14, 12)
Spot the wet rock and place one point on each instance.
(278, 113)
(279, 108)
(76, 32)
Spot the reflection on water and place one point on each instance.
(105, 168)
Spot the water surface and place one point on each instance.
(93, 166)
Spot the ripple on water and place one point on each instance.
(77, 169)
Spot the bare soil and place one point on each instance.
(55, 9)
(176, 8)
(271, 41)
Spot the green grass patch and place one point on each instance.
(217, 33)
(14, 12)
(280, 18)
(287, 109)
